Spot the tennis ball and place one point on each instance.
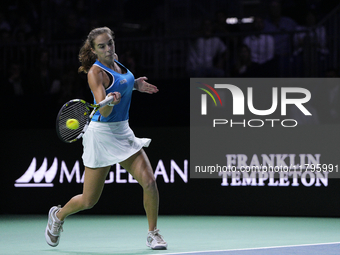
(72, 124)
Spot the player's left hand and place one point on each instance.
(145, 87)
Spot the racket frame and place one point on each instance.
(95, 107)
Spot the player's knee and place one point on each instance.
(88, 204)
(150, 184)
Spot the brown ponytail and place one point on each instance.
(86, 56)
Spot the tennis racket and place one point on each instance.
(81, 111)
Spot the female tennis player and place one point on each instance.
(109, 139)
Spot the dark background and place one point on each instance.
(40, 46)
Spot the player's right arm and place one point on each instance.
(96, 82)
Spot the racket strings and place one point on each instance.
(75, 110)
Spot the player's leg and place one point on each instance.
(92, 188)
(138, 165)
(94, 181)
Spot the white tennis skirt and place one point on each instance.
(108, 143)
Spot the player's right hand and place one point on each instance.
(116, 97)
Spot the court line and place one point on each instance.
(249, 249)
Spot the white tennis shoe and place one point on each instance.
(155, 241)
(54, 227)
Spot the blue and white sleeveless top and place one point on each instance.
(122, 83)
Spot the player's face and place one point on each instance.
(104, 48)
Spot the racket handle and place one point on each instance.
(106, 101)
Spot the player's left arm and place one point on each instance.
(143, 86)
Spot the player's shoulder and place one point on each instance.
(95, 74)
(95, 71)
